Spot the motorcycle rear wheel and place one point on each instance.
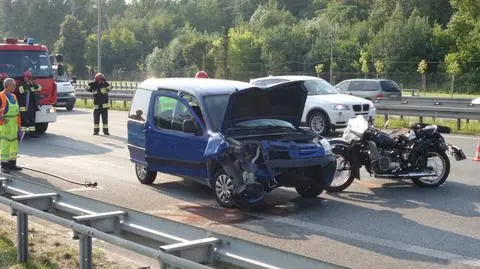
(424, 182)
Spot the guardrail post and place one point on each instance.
(386, 117)
(124, 103)
(459, 123)
(85, 243)
(421, 119)
(22, 237)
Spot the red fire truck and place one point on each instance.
(20, 55)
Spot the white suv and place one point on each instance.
(325, 109)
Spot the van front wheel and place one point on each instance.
(143, 175)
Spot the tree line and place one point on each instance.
(241, 39)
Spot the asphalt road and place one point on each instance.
(374, 224)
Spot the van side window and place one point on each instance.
(170, 113)
(139, 108)
(356, 86)
(371, 86)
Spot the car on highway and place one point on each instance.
(371, 89)
(241, 140)
(65, 91)
(325, 108)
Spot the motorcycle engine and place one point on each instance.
(384, 160)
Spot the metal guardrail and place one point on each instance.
(179, 245)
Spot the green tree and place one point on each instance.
(363, 61)
(422, 68)
(71, 44)
(453, 68)
(379, 68)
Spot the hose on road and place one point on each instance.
(85, 183)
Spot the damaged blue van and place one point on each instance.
(241, 140)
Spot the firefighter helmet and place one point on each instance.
(27, 75)
(99, 77)
(201, 74)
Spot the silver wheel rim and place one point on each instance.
(317, 124)
(342, 173)
(224, 188)
(435, 162)
(141, 171)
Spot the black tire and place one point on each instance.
(69, 107)
(311, 191)
(316, 119)
(144, 176)
(40, 129)
(222, 185)
(339, 151)
(446, 161)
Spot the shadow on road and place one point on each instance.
(52, 145)
(452, 197)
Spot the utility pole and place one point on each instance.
(99, 38)
(331, 60)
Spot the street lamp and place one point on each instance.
(99, 38)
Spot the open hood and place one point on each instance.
(283, 101)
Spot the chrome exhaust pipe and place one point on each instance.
(408, 175)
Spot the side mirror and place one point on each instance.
(190, 126)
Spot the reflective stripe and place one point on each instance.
(23, 109)
(102, 106)
(21, 89)
(105, 126)
(39, 88)
(96, 126)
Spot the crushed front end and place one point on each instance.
(262, 164)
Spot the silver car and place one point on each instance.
(371, 89)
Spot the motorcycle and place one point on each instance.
(417, 153)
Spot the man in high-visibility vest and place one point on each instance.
(3, 76)
(100, 88)
(10, 123)
(27, 100)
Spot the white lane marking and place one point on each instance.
(85, 189)
(437, 254)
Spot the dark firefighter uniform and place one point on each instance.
(100, 88)
(27, 101)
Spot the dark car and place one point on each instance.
(239, 139)
(371, 89)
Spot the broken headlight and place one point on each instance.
(326, 146)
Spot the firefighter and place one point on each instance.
(10, 123)
(27, 100)
(100, 88)
(201, 74)
(3, 76)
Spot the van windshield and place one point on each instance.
(14, 63)
(216, 106)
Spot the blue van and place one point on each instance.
(241, 140)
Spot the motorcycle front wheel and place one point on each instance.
(343, 175)
(439, 163)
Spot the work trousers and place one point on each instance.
(103, 112)
(28, 120)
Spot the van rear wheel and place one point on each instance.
(145, 176)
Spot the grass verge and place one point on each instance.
(471, 128)
(116, 105)
(46, 250)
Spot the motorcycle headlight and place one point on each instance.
(326, 146)
(340, 107)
